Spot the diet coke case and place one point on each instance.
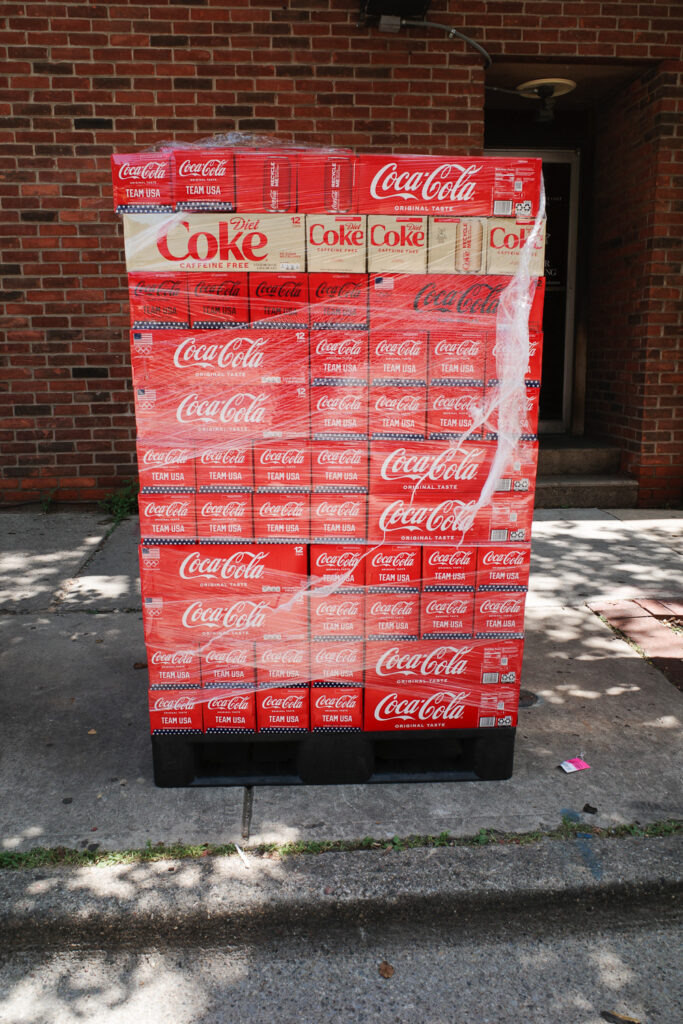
(449, 568)
(282, 664)
(218, 300)
(397, 245)
(167, 518)
(444, 615)
(398, 356)
(465, 186)
(173, 668)
(338, 517)
(339, 565)
(282, 710)
(391, 615)
(225, 469)
(229, 664)
(158, 300)
(499, 614)
(142, 182)
(337, 709)
(336, 243)
(457, 245)
(278, 301)
(337, 664)
(340, 466)
(230, 712)
(339, 356)
(326, 182)
(394, 567)
(282, 466)
(224, 518)
(501, 567)
(338, 301)
(175, 712)
(166, 470)
(203, 179)
(285, 518)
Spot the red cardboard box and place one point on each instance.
(338, 517)
(218, 300)
(337, 663)
(501, 567)
(230, 617)
(158, 300)
(339, 412)
(266, 181)
(337, 616)
(529, 424)
(326, 182)
(196, 569)
(228, 664)
(340, 466)
(282, 466)
(165, 470)
(225, 469)
(168, 517)
(501, 662)
(445, 567)
(142, 182)
(509, 520)
(175, 711)
(338, 301)
(466, 186)
(418, 468)
(230, 712)
(203, 179)
(455, 411)
(398, 356)
(397, 412)
(283, 663)
(339, 355)
(173, 668)
(498, 613)
(279, 301)
(282, 710)
(458, 355)
(226, 517)
(447, 614)
(282, 517)
(394, 566)
(337, 709)
(342, 565)
(426, 520)
(389, 614)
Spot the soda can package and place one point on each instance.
(282, 466)
(338, 517)
(142, 182)
(338, 301)
(285, 518)
(340, 466)
(228, 664)
(173, 668)
(339, 356)
(282, 664)
(528, 425)
(339, 412)
(167, 518)
(166, 470)
(422, 467)
(224, 617)
(338, 565)
(337, 616)
(336, 244)
(397, 245)
(203, 179)
(398, 356)
(175, 712)
(501, 567)
(210, 568)
(282, 710)
(447, 567)
(224, 517)
(458, 356)
(445, 615)
(229, 712)
(278, 301)
(395, 567)
(336, 709)
(337, 664)
(224, 469)
(432, 301)
(392, 615)
(326, 182)
(218, 300)
(457, 245)
(499, 614)
(267, 182)
(509, 520)
(397, 412)
(501, 662)
(425, 519)
(505, 240)
(454, 412)
(158, 300)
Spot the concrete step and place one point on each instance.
(615, 490)
(570, 455)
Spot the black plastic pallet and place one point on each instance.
(334, 759)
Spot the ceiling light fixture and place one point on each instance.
(393, 15)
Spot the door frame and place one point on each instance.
(573, 158)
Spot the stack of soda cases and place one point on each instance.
(315, 342)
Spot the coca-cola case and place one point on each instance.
(230, 664)
(447, 567)
(218, 300)
(447, 614)
(167, 518)
(337, 616)
(158, 300)
(425, 519)
(326, 182)
(208, 568)
(282, 710)
(336, 243)
(225, 469)
(340, 466)
(224, 518)
(338, 565)
(175, 712)
(339, 412)
(420, 468)
(203, 179)
(338, 517)
(230, 712)
(397, 412)
(495, 419)
(458, 356)
(509, 519)
(455, 411)
(225, 617)
(339, 356)
(337, 664)
(507, 238)
(338, 301)
(166, 470)
(398, 356)
(282, 466)
(173, 668)
(267, 182)
(389, 614)
(395, 567)
(278, 301)
(336, 709)
(142, 182)
(457, 245)
(285, 518)
(499, 613)
(281, 664)
(502, 567)
(434, 301)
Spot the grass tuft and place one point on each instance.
(122, 503)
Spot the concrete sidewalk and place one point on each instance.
(75, 764)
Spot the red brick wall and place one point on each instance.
(87, 78)
(635, 367)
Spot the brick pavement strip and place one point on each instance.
(659, 643)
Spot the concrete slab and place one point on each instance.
(111, 579)
(68, 674)
(40, 552)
